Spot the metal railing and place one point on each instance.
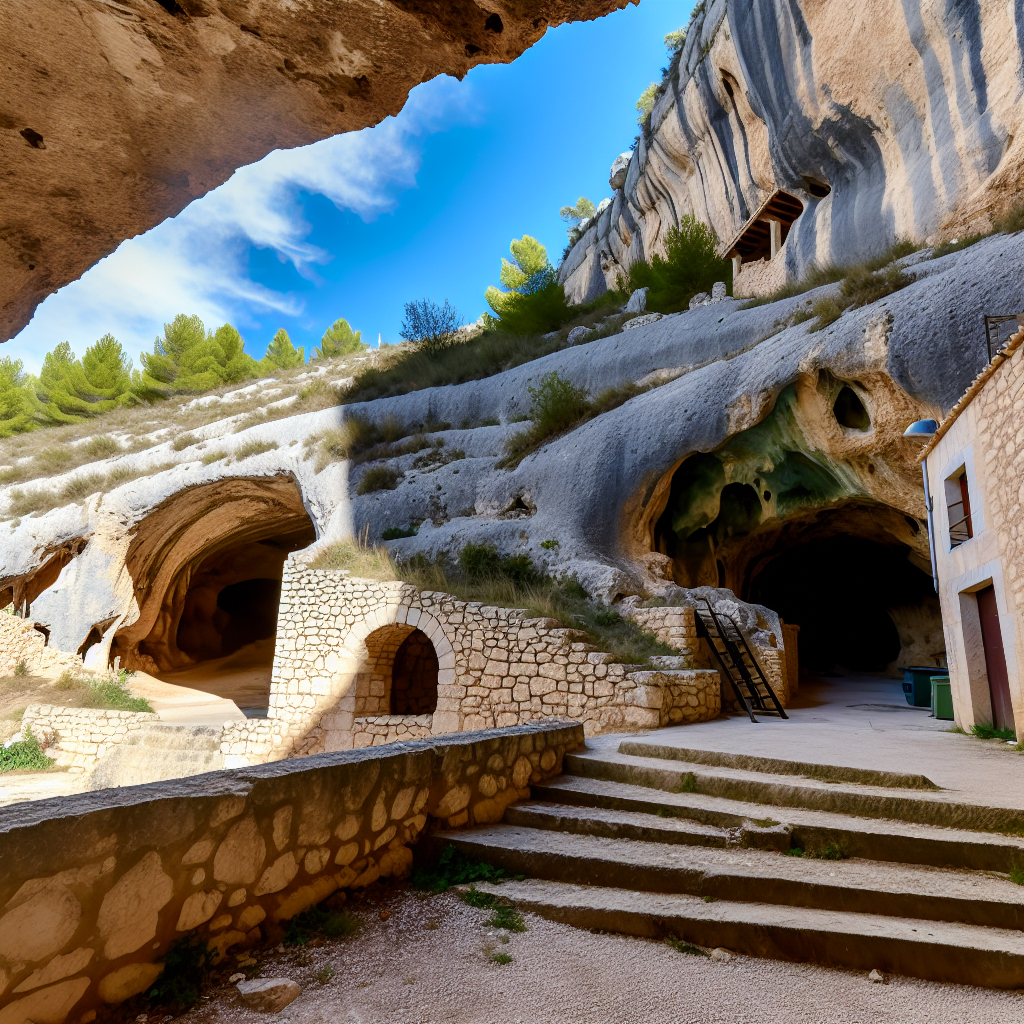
(959, 530)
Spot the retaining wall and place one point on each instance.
(94, 888)
(78, 737)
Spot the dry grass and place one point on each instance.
(58, 449)
(253, 447)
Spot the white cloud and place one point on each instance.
(197, 261)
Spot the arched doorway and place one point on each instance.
(207, 567)
(400, 674)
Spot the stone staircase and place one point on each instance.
(158, 751)
(655, 841)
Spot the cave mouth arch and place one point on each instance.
(206, 565)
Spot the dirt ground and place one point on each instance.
(431, 960)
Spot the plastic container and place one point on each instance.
(942, 698)
(917, 686)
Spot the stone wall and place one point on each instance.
(78, 737)
(337, 636)
(95, 888)
(20, 641)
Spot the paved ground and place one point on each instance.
(863, 722)
(430, 961)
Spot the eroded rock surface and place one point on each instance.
(883, 120)
(118, 113)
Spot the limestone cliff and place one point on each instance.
(881, 120)
(117, 113)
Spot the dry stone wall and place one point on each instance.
(496, 668)
(21, 642)
(95, 888)
(78, 737)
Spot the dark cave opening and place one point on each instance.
(841, 591)
(414, 676)
(849, 410)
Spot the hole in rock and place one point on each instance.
(207, 568)
(494, 24)
(816, 187)
(472, 49)
(33, 138)
(849, 410)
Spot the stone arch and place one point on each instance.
(399, 675)
(206, 568)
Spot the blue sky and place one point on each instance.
(422, 205)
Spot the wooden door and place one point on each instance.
(995, 659)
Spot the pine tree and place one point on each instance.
(339, 340)
(62, 382)
(108, 371)
(282, 354)
(19, 407)
(188, 359)
(529, 262)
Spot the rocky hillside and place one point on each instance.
(883, 120)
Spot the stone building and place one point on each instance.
(975, 469)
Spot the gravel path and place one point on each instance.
(429, 960)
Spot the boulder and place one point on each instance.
(638, 301)
(719, 291)
(642, 321)
(700, 299)
(578, 335)
(268, 995)
(619, 170)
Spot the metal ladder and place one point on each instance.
(735, 658)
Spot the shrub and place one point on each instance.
(455, 868)
(1011, 221)
(24, 755)
(432, 327)
(282, 354)
(482, 561)
(645, 104)
(318, 394)
(534, 302)
(690, 265)
(253, 447)
(102, 447)
(987, 731)
(339, 340)
(557, 404)
(398, 532)
(214, 456)
(379, 478)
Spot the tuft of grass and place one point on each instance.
(21, 669)
(1011, 221)
(185, 441)
(688, 784)
(325, 974)
(549, 545)
(110, 693)
(1017, 873)
(686, 947)
(986, 731)
(795, 851)
(502, 958)
(320, 920)
(253, 447)
(456, 868)
(508, 917)
(187, 964)
(830, 852)
(102, 447)
(765, 822)
(24, 755)
(956, 244)
(215, 456)
(379, 478)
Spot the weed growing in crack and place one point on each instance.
(325, 974)
(686, 947)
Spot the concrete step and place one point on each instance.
(947, 952)
(782, 790)
(872, 838)
(748, 876)
(777, 766)
(654, 828)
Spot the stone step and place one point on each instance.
(926, 807)
(776, 766)
(872, 838)
(748, 876)
(946, 952)
(190, 738)
(654, 828)
(671, 661)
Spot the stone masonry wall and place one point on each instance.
(496, 668)
(95, 888)
(78, 737)
(21, 642)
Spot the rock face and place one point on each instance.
(762, 457)
(117, 113)
(881, 120)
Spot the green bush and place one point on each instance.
(690, 265)
(24, 755)
(534, 302)
(72, 390)
(379, 478)
(187, 965)
(645, 104)
(557, 404)
(432, 328)
(20, 409)
(482, 561)
(282, 354)
(455, 868)
(398, 532)
(339, 340)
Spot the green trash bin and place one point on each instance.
(942, 698)
(917, 685)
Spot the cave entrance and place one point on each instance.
(207, 568)
(861, 605)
